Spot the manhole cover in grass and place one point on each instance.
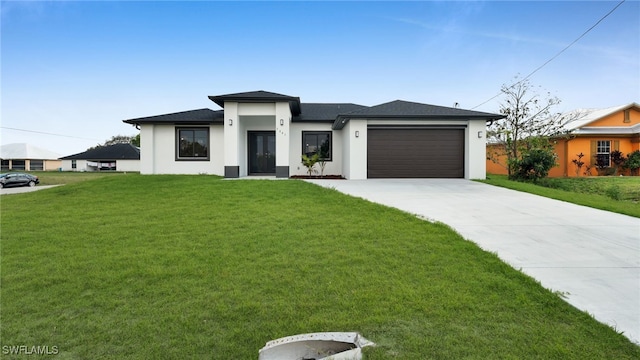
(316, 346)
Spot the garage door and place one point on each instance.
(415, 153)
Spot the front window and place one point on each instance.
(36, 165)
(317, 142)
(192, 143)
(18, 165)
(73, 164)
(603, 152)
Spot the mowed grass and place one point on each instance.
(70, 177)
(611, 193)
(190, 267)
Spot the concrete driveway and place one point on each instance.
(591, 256)
(24, 189)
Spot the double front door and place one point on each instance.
(262, 152)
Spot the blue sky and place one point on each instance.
(78, 68)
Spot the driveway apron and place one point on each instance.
(590, 256)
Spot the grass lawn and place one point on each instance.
(175, 267)
(69, 177)
(611, 193)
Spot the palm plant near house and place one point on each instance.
(310, 162)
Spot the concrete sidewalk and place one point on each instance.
(592, 256)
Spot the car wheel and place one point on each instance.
(32, 183)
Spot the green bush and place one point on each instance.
(534, 165)
(633, 162)
(614, 192)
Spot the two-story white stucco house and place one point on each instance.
(264, 133)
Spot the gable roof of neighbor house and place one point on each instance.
(585, 117)
(199, 116)
(259, 96)
(111, 152)
(408, 109)
(26, 151)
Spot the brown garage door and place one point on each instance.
(415, 153)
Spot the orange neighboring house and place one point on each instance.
(596, 133)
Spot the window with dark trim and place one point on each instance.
(192, 143)
(18, 165)
(73, 164)
(36, 165)
(317, 142)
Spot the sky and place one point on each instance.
(71, 71)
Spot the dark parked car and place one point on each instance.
(17, 179)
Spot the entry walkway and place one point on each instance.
(591, 256)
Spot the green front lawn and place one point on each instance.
(611, 193)
(173, 267)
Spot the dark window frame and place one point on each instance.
(178, 147)
(21, 165)
(36, 165)
(306, 144)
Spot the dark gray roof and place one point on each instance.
(200, 116)
(111, 152)
(324, 112)
(400, 109)
(259, 96)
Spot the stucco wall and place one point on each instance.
(355, 164)
(128, 165)
(475, 150)
(333, 167)
(158, 152)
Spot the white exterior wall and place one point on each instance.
(158, 152)
(81, 165)
(283, 134)
(355, 149)
(475, 150)
(230, 135)
(128, 165)
(147, 149)
(333, 167)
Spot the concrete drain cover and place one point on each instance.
(316, 346)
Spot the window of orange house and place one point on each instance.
(603, 151)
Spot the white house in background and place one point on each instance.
(25, 157)
(118, 157)
(264, 133)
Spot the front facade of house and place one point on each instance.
(26, 157)
(264, 133)
(117, 157)
(595, 134)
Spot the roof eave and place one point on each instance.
(342, 120)
(294, 102)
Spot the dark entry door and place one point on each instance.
(262, 152)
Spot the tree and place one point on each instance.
(618, 160)
(119, 139)
(633, 162)
(527, 129)
(578, 163)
